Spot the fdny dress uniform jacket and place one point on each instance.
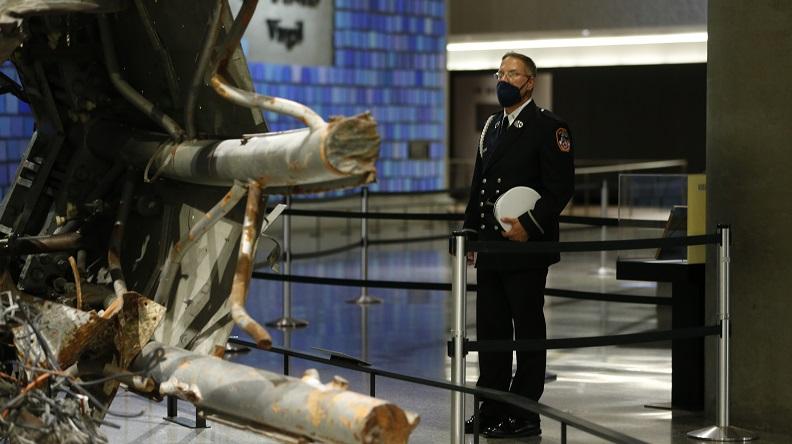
(535, 151)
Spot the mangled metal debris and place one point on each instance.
(41, 403)
(127, 255)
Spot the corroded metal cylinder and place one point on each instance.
(302, 406)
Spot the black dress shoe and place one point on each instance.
(485, 422)
(512, 427)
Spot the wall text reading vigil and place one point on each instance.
(288, 36)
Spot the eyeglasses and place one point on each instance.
(511, 75)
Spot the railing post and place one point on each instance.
(722, 431)
(563, 433)
(604, 195)
(364, 297)
(458, 335)
(173, 415)
(287, 321)
(364, 341)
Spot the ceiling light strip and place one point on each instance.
(580, 42)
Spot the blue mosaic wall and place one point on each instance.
(16, 126)
(389, 59)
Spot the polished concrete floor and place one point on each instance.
(407, 333)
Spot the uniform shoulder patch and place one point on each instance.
(562, 140)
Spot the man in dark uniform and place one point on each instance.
(522, 146)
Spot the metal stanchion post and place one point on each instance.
(364, 297)
(287, 321)
(364, 342)
(722, 431)
(459, 294)
(603, 270)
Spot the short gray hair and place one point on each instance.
(523, 58)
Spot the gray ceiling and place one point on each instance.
(518, 16)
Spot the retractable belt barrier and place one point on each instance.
(593, 341)
(458, 344)
(513, 247)
(359, 243)
(582, 220)
(375, 215)
(630, 244)
(439, 286)
(383, 194)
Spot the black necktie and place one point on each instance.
(504, 124)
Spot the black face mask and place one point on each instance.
(508, 94)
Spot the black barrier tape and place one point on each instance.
(358, 244)
(438, 286)
(418, 193)
(587, 220)
(582, 220)
(608, 297)
(328, 252)
(482, 392)
(593, 341)
(631, 244)
(356, 282)
(612, 221)
(407, 240)
(375, 215)
(381, 194)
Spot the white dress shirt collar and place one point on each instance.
(517, 111)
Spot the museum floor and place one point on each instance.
(407, 333)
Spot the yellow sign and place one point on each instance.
(697, 215)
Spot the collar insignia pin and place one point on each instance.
(518, 123)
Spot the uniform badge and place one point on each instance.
(518, 123)
(562, 140)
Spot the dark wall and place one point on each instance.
(749, 151)
(635, 112)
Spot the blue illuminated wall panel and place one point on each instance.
(389, 59)
(16, 127)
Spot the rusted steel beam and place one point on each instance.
(244, 268)
(341, 153)
(77, 282)
(19, 246)
(171, 266)
(325, 154)
(235, 392)
(135, 382)
(114, 248)
(276, 104)
(231, 44)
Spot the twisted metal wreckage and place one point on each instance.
(116, 201)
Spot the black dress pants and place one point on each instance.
(509, 305)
